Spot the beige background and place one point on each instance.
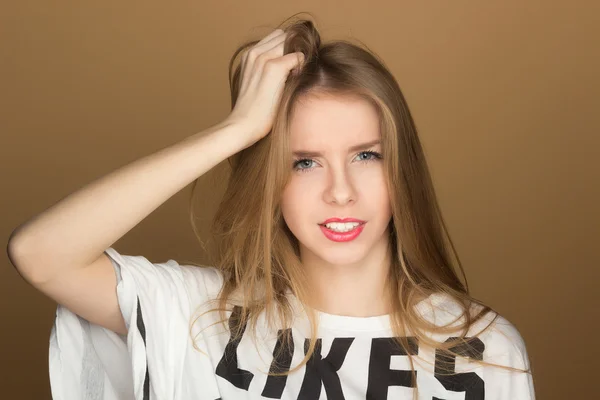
(505, 94)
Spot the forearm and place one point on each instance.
(75, 231)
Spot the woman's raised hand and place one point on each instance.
(264, 70)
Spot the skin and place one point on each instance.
(347, 278)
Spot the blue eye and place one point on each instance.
(298, 162)
(373, 155)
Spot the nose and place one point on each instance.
(340, 189)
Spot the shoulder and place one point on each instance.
(501, 340)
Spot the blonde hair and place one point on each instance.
(259, 256)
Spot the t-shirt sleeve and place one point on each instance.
(505, 346)
(157, 301)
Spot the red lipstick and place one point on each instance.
(336, 219)
(342, 236)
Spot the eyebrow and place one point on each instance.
(362, 146)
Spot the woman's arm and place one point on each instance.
(61, 250)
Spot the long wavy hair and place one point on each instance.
(259, 256)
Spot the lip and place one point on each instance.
(336, 219)
(342, 236)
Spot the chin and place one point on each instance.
(337, 253)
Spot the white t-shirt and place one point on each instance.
(355, 358)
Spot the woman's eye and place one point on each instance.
(374, 154)
(301, 163)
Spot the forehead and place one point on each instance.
(329, 121)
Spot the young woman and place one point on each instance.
(332, 276)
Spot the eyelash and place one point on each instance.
(376, 155)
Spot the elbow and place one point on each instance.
(17, 257)
(11, 248)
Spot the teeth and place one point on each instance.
(342, 227)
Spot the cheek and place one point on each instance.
(374, 188)
(377, 196)
(299, 201)
(291, 203)
(297, 191)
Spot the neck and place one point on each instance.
(356, 290)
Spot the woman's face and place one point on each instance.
(333, 176)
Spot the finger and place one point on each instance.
(281, 66)
(267, 47)
(267, 42)
(270, 36)
(291, 60)
(271, 49)
(255, 67)
(272, 41)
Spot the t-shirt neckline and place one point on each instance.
(374, 323)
